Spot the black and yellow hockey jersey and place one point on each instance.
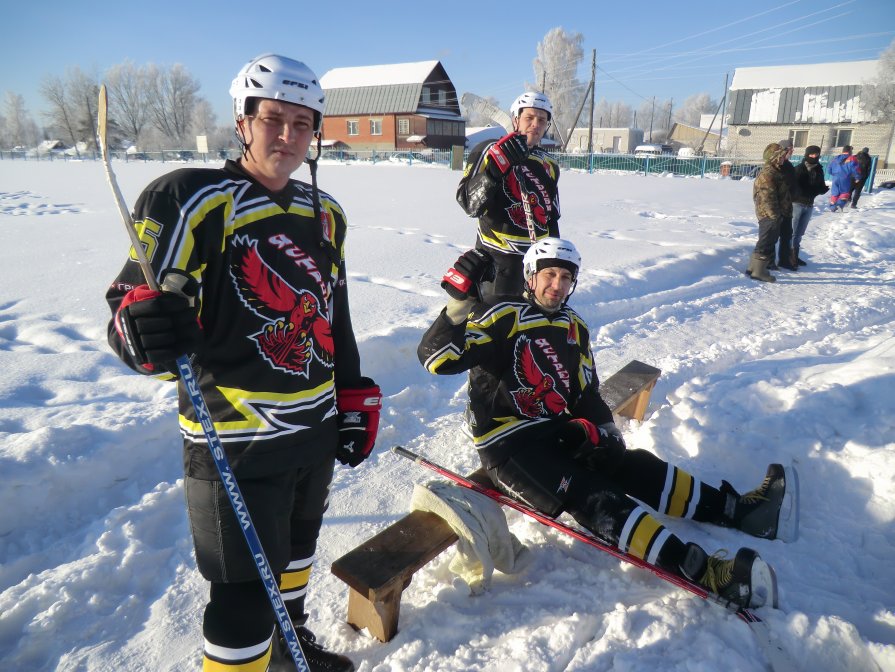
(274, 312)
(498, 204)
(526, 369)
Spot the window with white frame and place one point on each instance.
(427, 95)
(843, 137)
(352, 127)
(442, 98)
(403, 126)
(799, 137)
(375, 126)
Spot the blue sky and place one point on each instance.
(644, 49)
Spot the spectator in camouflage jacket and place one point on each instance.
(773, 204)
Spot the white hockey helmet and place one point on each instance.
(278, 78)
(549, 252)
(531, 99)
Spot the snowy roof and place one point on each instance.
(378, 75)
(815, 74)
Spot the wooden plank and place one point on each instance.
(399, 550)
(627, 391)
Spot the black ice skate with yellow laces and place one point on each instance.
(770, 511)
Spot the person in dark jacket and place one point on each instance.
(809, 184)
(773, 204)
(787, 170)
(546, 436)
(252, 270)
(864, 161)
(511, 187)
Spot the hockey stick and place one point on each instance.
(191, 384)
(778, 658)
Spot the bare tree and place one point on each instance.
(171, 101)
(652, 117)
(555, 68)
(126, 86)
(878, 95)
(691, 111)
(72, 105)
(16, 126)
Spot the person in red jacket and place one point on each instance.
(254, 286)
(844, 171)
(545, 435)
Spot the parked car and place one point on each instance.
(888, 184)
(643, 151)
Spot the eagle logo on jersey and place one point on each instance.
(296, 331)
(538, 392)
(516, 211)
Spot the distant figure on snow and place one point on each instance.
(844, 171)
(773, 204)
(809, 184)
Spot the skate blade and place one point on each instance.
(763, 582)
(788, 518)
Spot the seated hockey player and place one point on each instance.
(546, 436)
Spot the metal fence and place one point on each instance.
(700, 166)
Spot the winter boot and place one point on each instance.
(799, 260)
(746, 581)
(771, 511)
(319, 659)
(759, 268)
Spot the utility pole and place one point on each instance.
(723, 109)
(651, 115)
(668, 127)
(593, 85)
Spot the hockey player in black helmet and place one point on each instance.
(511, 186)
(264, 312)
(547, 437)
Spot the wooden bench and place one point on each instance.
(378, 571)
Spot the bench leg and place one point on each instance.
(636, 407)
(378, 614)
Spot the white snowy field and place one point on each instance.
(96, 566)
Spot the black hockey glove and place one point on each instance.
(471, 268)
(358, 421)
(598, 448)
(509, 151)
(157, 327)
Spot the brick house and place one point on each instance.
(817, 104)
(404, 106)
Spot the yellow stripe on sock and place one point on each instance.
(292, 580)
(680, 494)
(646, 531)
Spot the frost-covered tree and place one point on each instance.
(16, 126)
(555, 68)
(72, 105)
(694, 107)
(128, 107)
(171, 101)
(878, 95)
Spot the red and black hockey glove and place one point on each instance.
(358, 421)
(598, 448)
(509, 151)
(471, 268)
(157, 327)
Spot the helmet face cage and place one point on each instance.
(550, 252)
(531, 99)
(277, 78)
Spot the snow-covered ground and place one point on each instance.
(96, 566)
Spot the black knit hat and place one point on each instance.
(812, 149)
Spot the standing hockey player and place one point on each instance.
(252, 269)
(546, 436)
(510, 185)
